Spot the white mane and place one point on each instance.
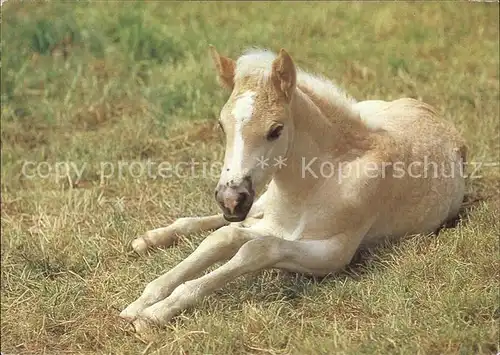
(258, 62)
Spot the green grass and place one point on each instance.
(131, 81)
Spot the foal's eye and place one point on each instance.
(275, 132)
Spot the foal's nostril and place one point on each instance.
(242, 197)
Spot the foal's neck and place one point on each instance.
(323, 132)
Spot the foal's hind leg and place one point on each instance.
(166, 236)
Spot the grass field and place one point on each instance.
(87, 86)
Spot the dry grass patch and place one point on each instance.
(132, 83)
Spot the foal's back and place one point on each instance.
(429, 186)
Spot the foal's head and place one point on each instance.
(256, 122)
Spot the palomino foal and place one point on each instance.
(339, 174)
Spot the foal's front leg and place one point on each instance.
(317, 257)
(166, 236)
(220, 245)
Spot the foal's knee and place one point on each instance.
(184, 225)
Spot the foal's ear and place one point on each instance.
(284, 75)
(225, 68)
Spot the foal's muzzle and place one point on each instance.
(235, 200)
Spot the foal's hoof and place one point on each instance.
(127, 316)
(131, 312)
(143, 326)
(140, 245)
